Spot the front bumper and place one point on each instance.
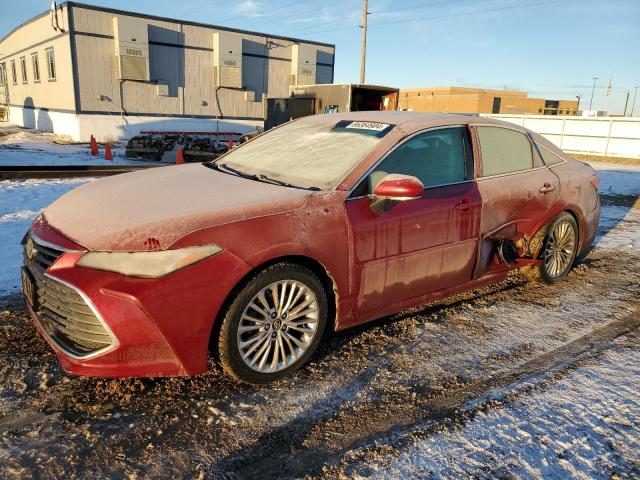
(154, 327)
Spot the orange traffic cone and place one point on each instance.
(179, 157)
(94, 146)
(107, 152)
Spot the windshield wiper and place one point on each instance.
(284, 184)
(227, 168)
(223, 167)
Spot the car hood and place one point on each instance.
(151, 209)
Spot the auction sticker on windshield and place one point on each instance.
(369, 128)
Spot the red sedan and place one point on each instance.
(324, 223)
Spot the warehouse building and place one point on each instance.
(80, 70)
(481, 100)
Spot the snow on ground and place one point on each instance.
(619, 220)
(20, 203)
(20, 146)
(583, 425)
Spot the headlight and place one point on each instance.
(147, 264)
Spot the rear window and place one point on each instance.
(504, 151)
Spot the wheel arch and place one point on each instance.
(327, 280)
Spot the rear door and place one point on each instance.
(418, 246)
(517, 190)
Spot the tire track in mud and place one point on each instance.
(302, 449)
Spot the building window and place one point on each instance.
(36, 67)
(14, 76)
(23, 68)
(3, 74)
(51, 64)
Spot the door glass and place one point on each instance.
(548, 156)
(504, 151)
(437, 157)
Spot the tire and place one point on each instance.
(559, 248)
(266, 336)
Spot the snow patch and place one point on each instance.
(20, 203)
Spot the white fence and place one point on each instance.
(607, 136)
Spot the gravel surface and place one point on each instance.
(517, 380)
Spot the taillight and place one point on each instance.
(595, 181)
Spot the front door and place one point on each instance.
(418, 246)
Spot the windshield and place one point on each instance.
(305, 154)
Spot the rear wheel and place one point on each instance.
(273, 325)
(559, 248)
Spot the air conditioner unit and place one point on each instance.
(303, 65)
(227, 60)
(132, 48)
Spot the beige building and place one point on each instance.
(90, 70)
(481, 100)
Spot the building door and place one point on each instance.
(496, 105)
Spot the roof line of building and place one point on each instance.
(167, 19)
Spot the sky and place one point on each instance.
(549, 48)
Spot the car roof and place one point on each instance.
(409, 121)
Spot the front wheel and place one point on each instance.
(273, 325)
(559, 248)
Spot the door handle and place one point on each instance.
(463, 205)
(547, 187)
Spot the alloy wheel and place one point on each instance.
(278, 326)
(561, 245)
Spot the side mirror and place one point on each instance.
(399, 188)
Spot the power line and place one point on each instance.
(196, 9)
(263, 13)
(417, 6)
(421, 5)
(457, 14)
(307, 12)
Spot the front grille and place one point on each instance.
(61, 311)
(68, 320)
(41, 257)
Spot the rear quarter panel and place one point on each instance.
(578, 195)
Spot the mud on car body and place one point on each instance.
(324, 223)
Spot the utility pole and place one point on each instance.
(578, 106)
(626, 102)
(363, 53)
(609, 87)
(595, 79)
(633, 104)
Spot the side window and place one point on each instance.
(504, 151)
(549, 157)
(23, 69)
(51, 64)
(36, 67)
(14, 76)
(436, 157)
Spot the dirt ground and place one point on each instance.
(368, 396)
